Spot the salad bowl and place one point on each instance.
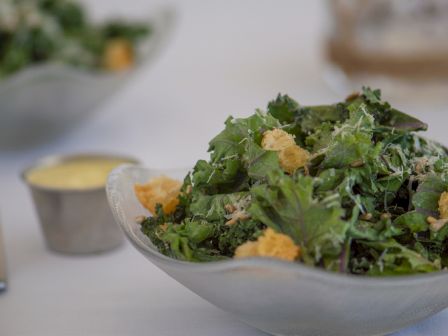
(45, 100)
(279, 297)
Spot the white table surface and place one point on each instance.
(225, 57)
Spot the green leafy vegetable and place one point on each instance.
(366, 202)
(393, 258)
(287, 205)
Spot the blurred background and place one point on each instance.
(208, 59)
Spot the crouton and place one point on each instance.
(276, 140)
(270, 244)
(159, 190)
(436, 224)
(293, 158)
(290, 155)
(248, 249)
(118, 55)
(443, 205)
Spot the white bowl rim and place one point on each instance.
(262, 262)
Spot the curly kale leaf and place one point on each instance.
(212, 208)
(259, 162)
(388, 116)
(352, 142)
(301, 121)
(191, 241)
(287, 205)
(222, 177)
(393, 258)
(283, 108)
(372, 96)
(69, 15)
(413, 221)
(152, 227)
(234, 155)
(287, 111)
(235, 235)
(426, 198)
(120, 29)
(230, 142)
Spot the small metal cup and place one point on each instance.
(75, 221)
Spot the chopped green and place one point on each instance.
(287, 205)
(366, 202)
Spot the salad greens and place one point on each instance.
(37, 31)
(371, 198)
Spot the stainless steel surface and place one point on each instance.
(2, 263)
(284, 298)
(75, 221)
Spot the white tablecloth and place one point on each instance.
(225, 57)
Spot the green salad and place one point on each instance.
(350, 187)
(37, 31)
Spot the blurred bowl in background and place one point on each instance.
(399, 46)
(44, 101)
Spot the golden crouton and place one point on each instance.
(248, 249)
(159, 190)
(290, 155)
(277, 245)
(293, 158)
(436, 224)
(276, 140)
(118, 55)
(270, 244)
(443, 205)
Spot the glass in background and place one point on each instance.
(400, 46)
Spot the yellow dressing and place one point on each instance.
(82, 173)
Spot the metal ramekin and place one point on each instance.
(75, 221)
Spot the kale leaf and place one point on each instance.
(287, 205)
(364, 203)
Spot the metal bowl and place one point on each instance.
(75, 221)
(283, 298)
